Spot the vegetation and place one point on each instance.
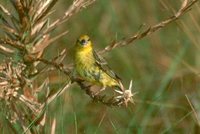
(159, 52)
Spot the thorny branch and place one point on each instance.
(126, 41)
(77, 6)
(32, 36)
(26, 36)
(112, 101)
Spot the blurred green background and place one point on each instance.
(164, 67)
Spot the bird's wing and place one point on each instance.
(101, 62)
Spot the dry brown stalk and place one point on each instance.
(76, 6)
(193, 109)
(185, 7)
(27, 36)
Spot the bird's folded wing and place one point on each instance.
(101, 62)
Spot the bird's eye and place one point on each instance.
(83, 41)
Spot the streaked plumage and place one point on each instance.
(90, 67)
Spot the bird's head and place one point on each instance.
(84, 41)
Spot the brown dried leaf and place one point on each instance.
(46, 10)
(4, 10)
(57, 37)
(6, 50)
(40, 45)
(60, 57)
(53, 126)
(51, 96)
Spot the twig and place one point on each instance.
(58, 36)
(14, 44)
(122, 99)
(6, 50)
(192, 107)
(185, 6)
(58, 66)
(53, 126)
(73, 9)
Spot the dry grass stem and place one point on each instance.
(193, 109)
(25, 86)
(185, 6)
(27, 34)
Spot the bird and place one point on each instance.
(92, 68)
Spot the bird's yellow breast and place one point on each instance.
(86, 67)
(84, 57)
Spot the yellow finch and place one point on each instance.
(91, 68)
